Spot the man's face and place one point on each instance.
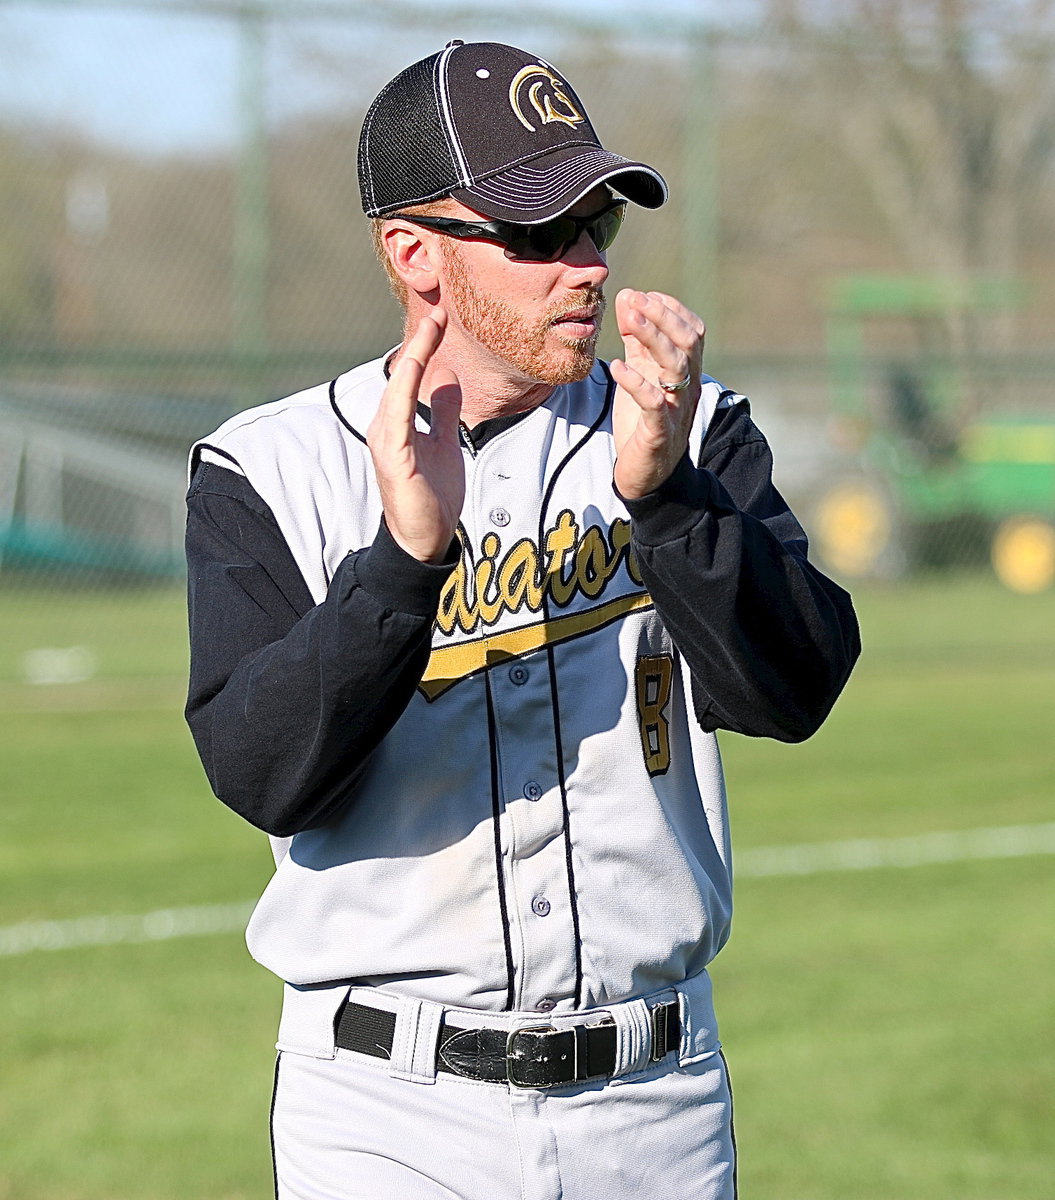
(543, 319)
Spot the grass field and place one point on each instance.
(891, 1032)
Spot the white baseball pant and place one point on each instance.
(353, 1127)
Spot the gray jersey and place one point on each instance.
(546, 822)
(493, 783)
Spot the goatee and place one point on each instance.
(528, 347)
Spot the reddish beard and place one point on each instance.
(528, 347)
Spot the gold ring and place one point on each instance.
(676, 387)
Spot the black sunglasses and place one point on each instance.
(545, 242)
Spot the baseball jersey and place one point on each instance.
(494, 782)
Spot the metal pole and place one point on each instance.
(249, 282)
(700, 202)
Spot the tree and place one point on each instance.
(947, 108)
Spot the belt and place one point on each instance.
(533, 1056)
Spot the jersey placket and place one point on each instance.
(503, 503)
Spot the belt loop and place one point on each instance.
(308, 1015)
(633, 1036)
(415, 1039)
(699, 1029)
(582, 1070)
(686, 1015)
(666, 1029)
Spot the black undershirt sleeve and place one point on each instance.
(768, 639)
(287, 698)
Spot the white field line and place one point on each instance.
(861, 854)
(159, 926)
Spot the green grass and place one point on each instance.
(137, 1072)
(889, 1032)
(945, 724)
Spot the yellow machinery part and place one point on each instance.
(1023, 554)
(853, 527)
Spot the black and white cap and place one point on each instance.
(498, 129)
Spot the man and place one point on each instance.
(464, 622)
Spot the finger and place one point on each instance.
(642, 391)
(663, 335)
(673, 320)
(426, 338)
(417, 352)
(643, 340)
(628, 315)
(643, 315)
(446, 405)
(690, 318)
(657, 354)
(667, 313)
(399, 403)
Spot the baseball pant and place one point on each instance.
(353, 1127)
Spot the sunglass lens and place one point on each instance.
(552, 239)
(542, 243)
(602, 231)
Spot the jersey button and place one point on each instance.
(546, 1005)
(533, 790)
(499, 517)
(540, 906)
(519, 675)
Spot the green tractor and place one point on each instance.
(935, 479)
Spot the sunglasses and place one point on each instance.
(545, 242)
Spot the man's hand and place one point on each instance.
(663, 342)
(421, 475)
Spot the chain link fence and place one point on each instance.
(861, 209)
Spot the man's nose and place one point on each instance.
(587, 261)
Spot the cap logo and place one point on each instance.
(546, 95)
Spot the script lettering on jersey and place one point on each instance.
(572, 562)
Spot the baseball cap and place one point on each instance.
(496, 128)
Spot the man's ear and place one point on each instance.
(412, 257)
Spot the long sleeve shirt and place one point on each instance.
(494, 781)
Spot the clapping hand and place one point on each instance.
(663, 342)
(421, 476)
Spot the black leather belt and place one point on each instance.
(534, 1056)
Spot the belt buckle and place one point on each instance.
(572, 1041)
